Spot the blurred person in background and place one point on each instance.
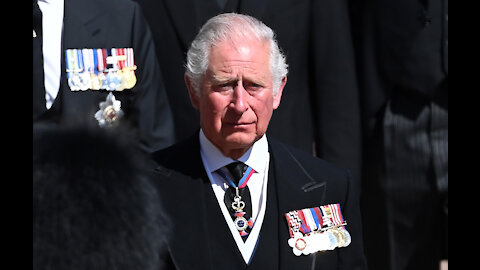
(94, 63)
(402, 56)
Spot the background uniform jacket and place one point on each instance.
(201, 239)
(114, 24)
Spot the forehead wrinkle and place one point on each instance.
(237, 67)
(227, 73)
(220, 78)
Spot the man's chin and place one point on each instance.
(235, 144)
(240, 139)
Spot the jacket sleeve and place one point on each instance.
(152, 114)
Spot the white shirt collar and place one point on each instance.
(254, 157)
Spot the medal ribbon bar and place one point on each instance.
(318, 228)
(110, 69)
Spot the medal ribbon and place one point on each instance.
(100, 65)
(304, 228)
(337, 216)
(109, 64)
(326, 216)
(102, 60)
(332, 215)
(114, 59)
(95, 61)
(79, 63)
(314, 219)
(70, 63)
(311, 221)
(130, 59)
(73, 59)
(243, 181)
(317, 215)
(121, 61)
(293, 222)
(88, 63)
(305, 220)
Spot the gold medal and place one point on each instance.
(129, 69)
(96, 81)
(339, 236)
(348, 237)
(129, 78)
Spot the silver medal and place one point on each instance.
(110, 111)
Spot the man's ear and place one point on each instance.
(278, 97)
(194, 99)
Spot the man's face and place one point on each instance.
(236, 96)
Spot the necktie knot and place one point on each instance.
(237, 169)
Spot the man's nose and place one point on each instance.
(239, 100)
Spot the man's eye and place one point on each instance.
(223, 87)
(252, 86)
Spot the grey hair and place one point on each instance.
(225, 27)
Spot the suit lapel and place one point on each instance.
(295, 185)
(223, 250)
(266, 255)
(199, 222)
(295, 190)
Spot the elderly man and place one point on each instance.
(285, 209)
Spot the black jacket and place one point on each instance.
(201, 239)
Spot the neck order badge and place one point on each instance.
(241, 221)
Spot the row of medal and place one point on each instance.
(100, 69)
(317, 229)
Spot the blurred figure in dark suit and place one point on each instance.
(79, 50)
(93, 204)
(402, 49)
